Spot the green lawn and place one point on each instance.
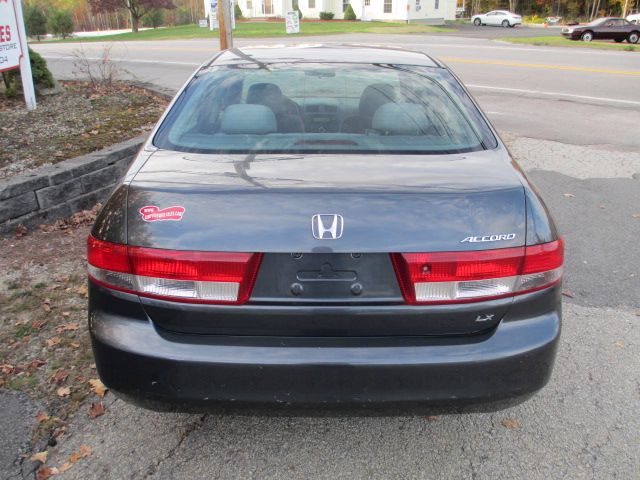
(267, 29)
(558, 41)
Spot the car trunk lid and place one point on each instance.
(338, 287)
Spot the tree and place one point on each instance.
(42, 77)
(35, 21)
(137, 8)
(61, 23)
(154, 19)
(237, 12)
(349, 14)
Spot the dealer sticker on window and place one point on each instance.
(151, 213)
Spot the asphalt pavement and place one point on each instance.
(570, 117)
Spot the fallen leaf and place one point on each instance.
(38, 324)
(82, 290)
(39, 457)
(59, 376)
(432, 418)
(83, 451)
(21, 230)
(36, 363)
(42, 417)
(636, 215)
(96, 410)
(66, 314)
(63, 391)
(45, 472)
(75, 345)
(6, 368)
(567, 293)
(510, 423)
(65, 466)
(97, 387)
(53, 341)
(67, 327)
(568, 195)
(619, 344)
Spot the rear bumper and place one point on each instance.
(184, 372)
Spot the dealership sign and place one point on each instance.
(10, 45)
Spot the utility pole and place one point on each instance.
(225, 20)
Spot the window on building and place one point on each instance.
(418, 5)
(344, 5)
(437, 5)
(249, 5)
(367, 3)
(295, 4)
(312, 3)
(388, 6)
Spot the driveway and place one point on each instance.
(570, 118)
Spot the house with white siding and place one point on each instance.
(419, 11)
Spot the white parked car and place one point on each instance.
(634, 18)
(502, 18)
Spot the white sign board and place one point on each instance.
(213, 15)
(202, 23)
(10, 44)
(292, 22)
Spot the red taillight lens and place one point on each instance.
(186, 276)
(109, 256)
(458, 277)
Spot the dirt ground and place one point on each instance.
(81, 119)
(45, 350)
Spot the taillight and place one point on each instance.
(182, 276)
(460, 277)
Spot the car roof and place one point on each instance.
(319, 53)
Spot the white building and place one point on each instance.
(423, 11)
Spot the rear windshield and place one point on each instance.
(324, 108)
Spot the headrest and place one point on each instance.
(241, 118)
(374, 96)
(400, 119)
(259, 92)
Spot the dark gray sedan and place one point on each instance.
(324, 227)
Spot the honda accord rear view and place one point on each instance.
(324, 227)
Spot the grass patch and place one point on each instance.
(558, 41)
(265, 29)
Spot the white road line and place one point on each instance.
(553, 94)
(129, 60)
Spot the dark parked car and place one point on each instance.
(617, 29)
(324, 227)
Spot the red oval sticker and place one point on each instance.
(151, 213)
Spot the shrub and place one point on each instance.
(349, 14)
(154, 18)
(41, 75)
(61, 23)
(35, 22)
(326, 15)
(237, 12)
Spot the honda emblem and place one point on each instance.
(327, 226)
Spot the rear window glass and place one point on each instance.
(322, 108)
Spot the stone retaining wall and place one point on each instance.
(62, 189)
